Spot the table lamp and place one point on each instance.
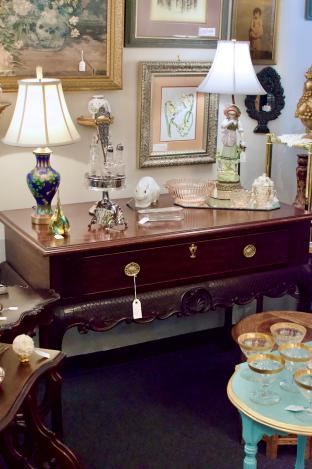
(41, 119)
(231, 73)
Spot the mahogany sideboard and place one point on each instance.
(211, 258)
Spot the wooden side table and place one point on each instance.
(262, 322)
(259, 420)
(25, 441)
(296, 141)
(22, 308)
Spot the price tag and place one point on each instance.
(207, 32)
(242, 157)
(136, 309)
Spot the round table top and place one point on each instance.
(274, 416)
(261, 322)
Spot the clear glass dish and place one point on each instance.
(160, 214)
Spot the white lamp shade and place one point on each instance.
(41, 117)
(232, 71)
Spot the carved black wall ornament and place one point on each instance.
(264, 108)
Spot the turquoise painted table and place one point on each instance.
(259, 420)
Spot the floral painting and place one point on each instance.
(178, 114)
(56, 34)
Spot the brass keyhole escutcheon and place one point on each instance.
(132, 269)
(249, 250)
(193, 250)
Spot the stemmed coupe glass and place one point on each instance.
(296, 356)
(303, 379)
(253, 343)
(287, 332)
(265, 367)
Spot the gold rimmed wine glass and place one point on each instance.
(288, 332)
(252, 343)
(303, 379)
(295, 356)
(265, 367)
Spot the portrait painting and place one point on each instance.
(255, 21)
(67, 38)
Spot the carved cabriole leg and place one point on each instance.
(301, 173)
(48, 449)
(300, 452)
(252, 434)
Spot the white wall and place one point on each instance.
(293, 59)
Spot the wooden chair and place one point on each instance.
(261, 322)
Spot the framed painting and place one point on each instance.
(176, 124)
(255, 21)
(175, 23)
(79, 41)
(308, 9)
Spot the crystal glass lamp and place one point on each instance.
(41, 119)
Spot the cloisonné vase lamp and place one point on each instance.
(41, 119)
(231, 73)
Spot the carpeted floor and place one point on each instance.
(160, 406)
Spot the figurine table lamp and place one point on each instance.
(41, 119)
(231, 73)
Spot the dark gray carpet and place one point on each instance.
(166, 410)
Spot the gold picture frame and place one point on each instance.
(89, 36)
(176, 125)
(255, 21)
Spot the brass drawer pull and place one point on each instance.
(193, 250)
(132, 269)
(249, 250)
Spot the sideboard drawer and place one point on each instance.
(178, 262)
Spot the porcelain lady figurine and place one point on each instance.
(232, 145)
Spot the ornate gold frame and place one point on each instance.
(113, 79)
(147, 157)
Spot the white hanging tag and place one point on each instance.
(82, 64)
(41, 353)
(136, 304)
(137, 309)
(242, 157)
